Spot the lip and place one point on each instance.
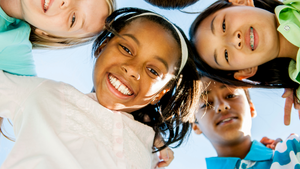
(43, 2)
(256, 39)
(114, 90)
(221, 122)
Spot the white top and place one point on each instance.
(58, 127)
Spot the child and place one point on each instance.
(56, 126)
(250, 46)
(224, 117)
(58, 23)
(54, 23)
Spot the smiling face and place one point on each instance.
(66, 18)
(132, 69)
(224, 114)
(237, 37)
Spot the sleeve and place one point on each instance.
(287, 153)
(14, 90)
(16, 50)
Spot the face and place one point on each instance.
(224, 114)
(237, 37)
(131, 70)
(66, 18)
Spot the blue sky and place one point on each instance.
(74, 66)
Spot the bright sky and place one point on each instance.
(74, 66)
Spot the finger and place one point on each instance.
(287, 92)
(287, 110)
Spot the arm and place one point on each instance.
(290, 99)
(166, 155)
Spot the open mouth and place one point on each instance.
(251, 39)
(226, 120)
(46, 5)
(118, 85)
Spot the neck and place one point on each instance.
(12, 8)
(286, 49)
(237, 149)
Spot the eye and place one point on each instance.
(73, 20)
(126, 50)
(223, 26)
(230, 96)
(207, 105)
(226, 55)
(153, 71)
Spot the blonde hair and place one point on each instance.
(51, 41)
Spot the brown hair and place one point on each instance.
(51, 41)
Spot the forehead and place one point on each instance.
(95, 13)
(204, 39)
(212, 87)
(153, 38)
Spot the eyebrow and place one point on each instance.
(163, 61)
(215, 57)
(212, 25)
(133, 38)
(223, 86)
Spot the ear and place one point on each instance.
(40, 32)
(159, 96)
(100, 48)
(252, 110)
(242, 2)
(196, 129)
(245, 73)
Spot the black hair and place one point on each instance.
(272, 74)
(172, 4)
(170, 117)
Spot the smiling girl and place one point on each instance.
(53, 23)
(136, 75)
(243, 42)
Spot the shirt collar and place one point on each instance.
(258, 152)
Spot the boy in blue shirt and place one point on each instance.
(225, 118)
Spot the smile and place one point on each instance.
(227, 120)
(251, 39)
(118, 85)
(46, 5)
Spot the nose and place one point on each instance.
(222, 107)
(131, 71)
(64, 4)
(236, 40)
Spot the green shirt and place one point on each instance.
(289, 18)
(15, 48)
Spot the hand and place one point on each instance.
(269, 142)
(167, 156)
(289, 101)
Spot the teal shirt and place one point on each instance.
(285, 156)
(15, 47)
(259, 157)
(289, 18)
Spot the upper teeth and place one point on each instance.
(119, 86)
(251, 38)
(46, 4)
(226, 119)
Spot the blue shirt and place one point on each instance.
(286, 155)
(15, 48)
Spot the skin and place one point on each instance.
(230, 138)
(87, 16)
(230, 36)
(140, 60)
